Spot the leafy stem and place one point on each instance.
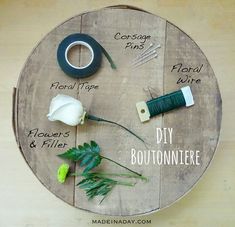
(94, 183)
(94, 118)
(102, 174)
(121, 165)
(89, 156)
(125, 183)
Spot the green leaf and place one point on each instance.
(96, 186)
(88, 155)
(87, 147)
(71, 154)
(95, 147)
(86, 160)
(93, 163)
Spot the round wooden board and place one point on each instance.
(194, 128)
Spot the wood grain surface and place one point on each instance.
(198, 127)
(195, 128)
(27, 203)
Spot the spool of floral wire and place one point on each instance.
(165, 103)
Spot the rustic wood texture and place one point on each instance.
(196, 128)
(115, 100)
(33, 98)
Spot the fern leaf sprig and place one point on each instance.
(89, 156)
(97, 185)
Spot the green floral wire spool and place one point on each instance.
(165, 103)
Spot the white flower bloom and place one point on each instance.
(66, 109)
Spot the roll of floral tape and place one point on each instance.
(165, 103)
(96, 55)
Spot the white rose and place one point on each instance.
(66, 109)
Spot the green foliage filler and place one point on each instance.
(88, 155)
(95, 183)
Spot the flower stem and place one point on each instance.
(123, 175)
(112, 174)
(121, 165)
(94, 118)
(125, 183)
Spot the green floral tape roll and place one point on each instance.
(96, 55)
